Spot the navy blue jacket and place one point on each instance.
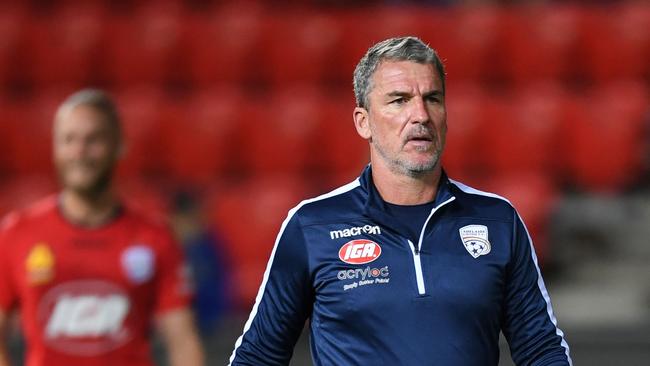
(376, 296)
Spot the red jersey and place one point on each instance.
(88, 296)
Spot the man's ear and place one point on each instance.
(362, 122)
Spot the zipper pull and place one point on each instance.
(416, 250)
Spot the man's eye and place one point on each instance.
(398, 101)
(433, 99)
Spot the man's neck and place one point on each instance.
(88, 211)
(402, 189)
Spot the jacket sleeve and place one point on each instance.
(283, 303)
(529, 323)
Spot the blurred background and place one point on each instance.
(234, 111)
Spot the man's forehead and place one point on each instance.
(405, 76)
(80, 118)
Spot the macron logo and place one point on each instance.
(354, 231)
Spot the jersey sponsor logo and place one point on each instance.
(138, 262)
(364, 277)
(475, 240)
(359, 251)
(40, 264)
(354, 231)
(85, 318)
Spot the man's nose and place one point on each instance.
(419, 111)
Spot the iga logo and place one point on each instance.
(360, 251)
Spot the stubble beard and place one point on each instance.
(406, 167)
(93, 190)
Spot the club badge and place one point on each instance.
(138, 262)
(475, 240)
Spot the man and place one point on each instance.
(403, 266)
(89, 275)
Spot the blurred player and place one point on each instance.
(403, 266)
(92, 277)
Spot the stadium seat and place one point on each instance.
(341, 151)
(279, 131)
(464, 144)
(13, 20)
(538, 43)
(362, 27)
(535, 197)
(298, 47)
(199, 135)
(605, 137)
(64, 48)
(30, 123)
(521, 130)
(616, 42)
(249, 215)
(143, 49)
(22, 190)
(223, 46)
(141, 110)
(467, 40)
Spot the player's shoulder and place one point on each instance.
(146, 220)
(34, 214)
(340, 201)
(482, 202)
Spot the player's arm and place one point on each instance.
(3, 338)
(7, 292)
(180, 337)
(529, 323)
(282, 305)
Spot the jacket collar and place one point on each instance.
(375, 206)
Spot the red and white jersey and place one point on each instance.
(88, 296)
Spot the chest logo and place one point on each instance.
(360, 251)
(475, 240)
(355, 231)
(138, 262)
(40, 264)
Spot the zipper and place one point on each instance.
(417, 263)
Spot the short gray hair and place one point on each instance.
(393, 49)
(98, 100)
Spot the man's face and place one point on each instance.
(406, 119)
(85, 149)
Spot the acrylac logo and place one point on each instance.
(360, 251)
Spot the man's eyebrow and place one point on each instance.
(432, 93)
(399, 94)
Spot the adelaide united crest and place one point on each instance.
(475, 240)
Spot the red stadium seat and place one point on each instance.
(21, 191)
(341, 150)
(521, 130)
(64, 48)
(605, 137)
(144, 49)
(535, 197)
(199, 136)
(13, 21)
(141, 110)
(538, 43)
(617, 42)
(467, 40)
(464, 144)
(279, 132)
(249, 215)
(30, 124)
(363, 27)
(298, 47)
(224, 46)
